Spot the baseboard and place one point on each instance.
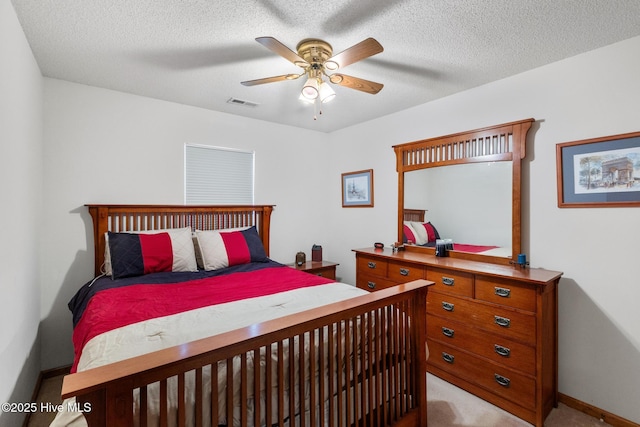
(55, 372)
(49, 373)
(593, 411)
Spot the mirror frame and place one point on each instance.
(500, 143)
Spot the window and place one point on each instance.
(215, 175)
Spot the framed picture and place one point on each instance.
(357, 189)
(599, 172)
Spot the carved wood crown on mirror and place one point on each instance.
(501, 143)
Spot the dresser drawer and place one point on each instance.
(491, 346)
(508, 323)
(504, 382)
(403, 273)
(452, 282)
(371, 265)
(371, 282)
(505, 292)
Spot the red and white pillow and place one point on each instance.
(409, 235)
(422, 233)
(144, 252)
(224, 248)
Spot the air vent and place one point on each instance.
(237, 101)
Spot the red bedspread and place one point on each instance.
(116, 307)
(472, 248)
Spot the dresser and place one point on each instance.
(491, 329)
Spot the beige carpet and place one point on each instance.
(49, 392)
(448, 406)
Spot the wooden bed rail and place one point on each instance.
(123, 218)
(378, 338)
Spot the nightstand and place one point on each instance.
(321, 268)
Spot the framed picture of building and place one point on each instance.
(599, 172)
(357, 189)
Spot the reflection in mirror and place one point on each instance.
(482, 169)
(468, 203)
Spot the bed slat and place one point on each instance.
(257, 382)
(229, 390)
(182, 412)
(164, 421)
(199, 398)
(215, 409)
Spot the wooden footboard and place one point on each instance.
(359, 362)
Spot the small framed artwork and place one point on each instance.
(599, 172)
(357, 189)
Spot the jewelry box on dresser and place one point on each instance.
(491, 323)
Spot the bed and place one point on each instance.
(245, 342)
(421, 232)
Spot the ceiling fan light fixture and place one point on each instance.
(331, 65)
(326, 93)
(310, 88)
(336, 78)
(317, 61)
(306, 100)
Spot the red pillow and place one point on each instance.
(431, 232)
(138, 254)
(408, 234)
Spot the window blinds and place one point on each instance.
(220, 176)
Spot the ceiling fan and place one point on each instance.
(316, 58)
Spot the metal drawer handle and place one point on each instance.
(503, 381)
(502, 351)
(502, 321)
(404, 271)
(503, 292)
(371, 285)
(371, 264)
(447, 357)
(448, 281)
(447, 306)
(447, 332)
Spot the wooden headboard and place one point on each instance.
(123, 218)
(414, 215)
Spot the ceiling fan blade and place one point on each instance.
(356, 83)
(357, 52)
(271, 79)
(277, 47)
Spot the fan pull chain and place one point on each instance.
(316, 111)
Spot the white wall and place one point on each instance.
(591, 95)
(468, 203)
(20, 195)
(103, 146)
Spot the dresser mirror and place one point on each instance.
(467, 185)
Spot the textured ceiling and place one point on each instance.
(196, 52)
